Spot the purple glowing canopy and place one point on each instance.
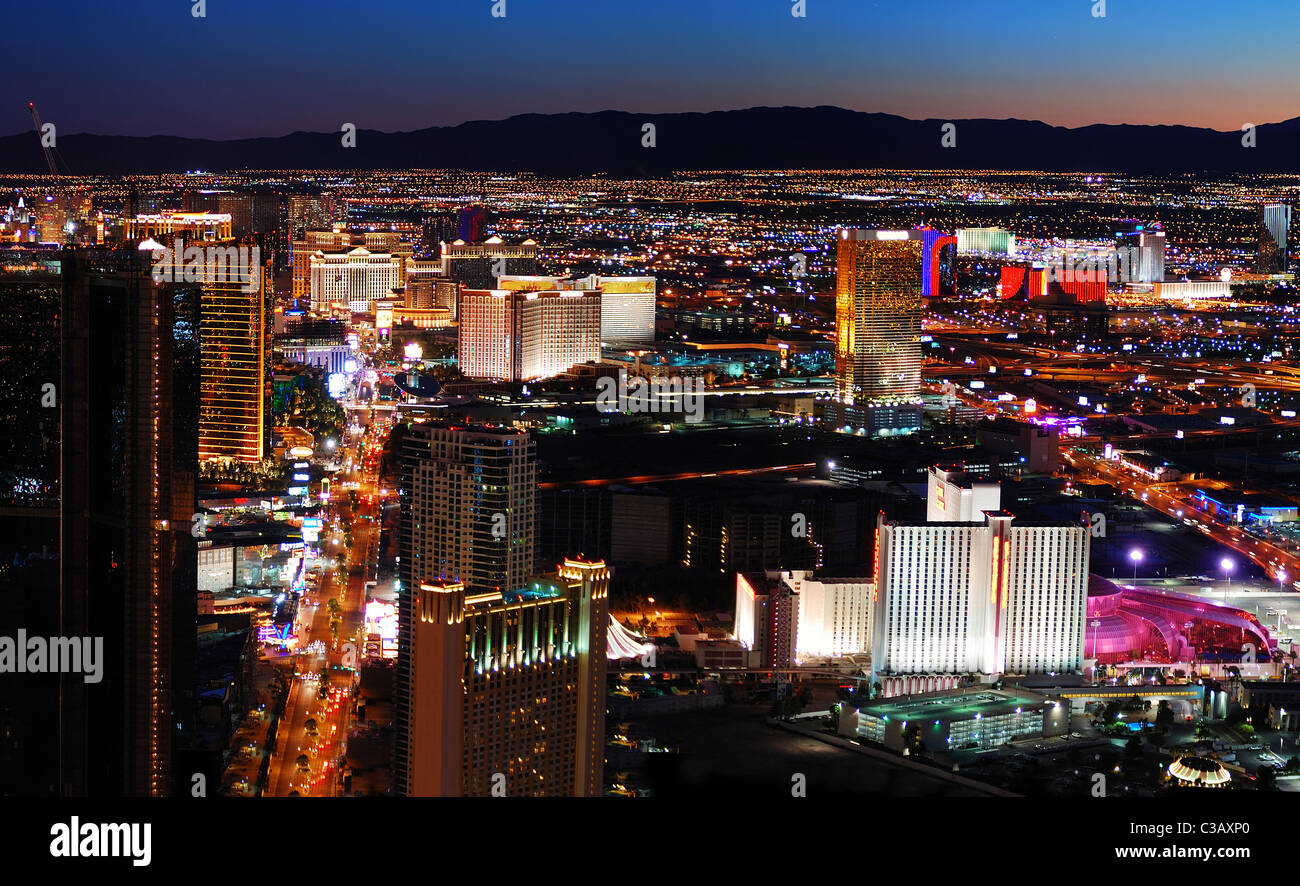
(1119, 617)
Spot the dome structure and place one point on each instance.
(1199, 772)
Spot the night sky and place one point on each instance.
(269, 67)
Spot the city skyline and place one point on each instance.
(891, 401)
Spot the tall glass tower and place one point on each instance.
(1274, 232)
(878, 330)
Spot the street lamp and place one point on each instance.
(1281, 579)
(1136, 556)
(1226, 565)
(1096, 624)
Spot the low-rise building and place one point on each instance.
(959, 719)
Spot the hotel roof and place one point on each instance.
(878, 234)
(954, 705)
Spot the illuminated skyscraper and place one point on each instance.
(1145, 245)
(494, 674)
(979, 597)
(506, 693)
(67, 214)
(878, 331)
(51, 217)
(467, 499)
(627, 304)
(521, 335)
(468, 502)
(235, 347)
(312, 213)
(1274, 231)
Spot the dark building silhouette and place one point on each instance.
(31, 294)
(436, 229)
(472, 224)
(126, 499)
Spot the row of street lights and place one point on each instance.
(1226, 564)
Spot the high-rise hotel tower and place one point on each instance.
(984, 597)
(878, 331)
(1274, 234)
(126, 495)
(236, 355)
(522, 336)
(467, 497)
(506, 693)
(500, 679)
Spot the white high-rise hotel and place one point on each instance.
(834, 615)
(627, 304)
(358, 278)
(987, 598)
(786, 615)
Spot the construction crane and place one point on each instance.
(69, 237)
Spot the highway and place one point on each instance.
(685, 475)
(1171, 499)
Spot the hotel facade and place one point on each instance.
(627, 304)
(356, 278)
(979, 598)
(527, 335)
(877, 331)
(783, 616)
(507, 689)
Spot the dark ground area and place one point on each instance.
(731, 752)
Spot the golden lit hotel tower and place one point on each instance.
(507, 690)
(877, 331)
(235, 348)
